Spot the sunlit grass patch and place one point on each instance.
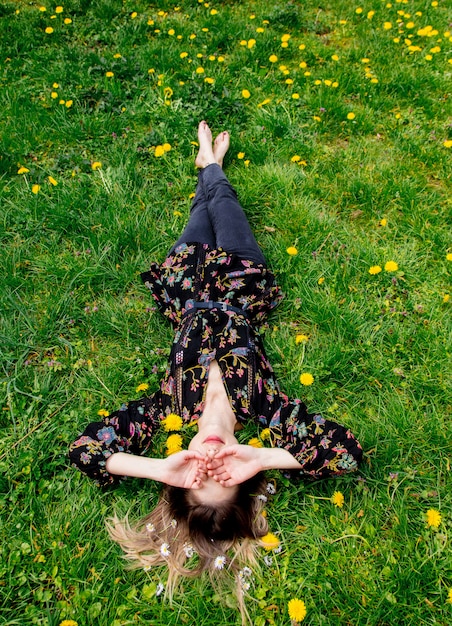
(340, 153)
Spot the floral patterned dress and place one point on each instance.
(195, 273)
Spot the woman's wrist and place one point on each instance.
(278, 458)
(125, 464)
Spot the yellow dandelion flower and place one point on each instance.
(295, 96)
(301, 338)
(449, 256)
(200, 70)
(449, 596)
(134, 15)
(255, 443)
(383, 222)
(171, 32)
(247, 162)
(358, 11)
(209, 80)
(446, 298)
(251, 43)
(172, 422)
(52, 181)
(49, 30)
(59, 9)
(387, 26)
(173, 444)
(321, 280)
(109, 74)
(263, 103)
(338, 499)
(375, 269)
(285, 38)
(391, 266)
(69, 103)
(269, 541)
(351, 116)
(68, 622)
(159, 151)
(35, 189)
(370, 15)
(42, 9)
(295, 158)
(96, 165)
(241, 155)
(213, 12)
(245, 93)
(166, 147)
(306, 379)
(292, 251)
(183, 55)
(67, 20)
(61, 101)
(433, 518)
(103, 413)
(220, 59)
(142, 387)
(273, 58)
(335, 57)
(447, 143)
(265, 434)
(23, 170)
(297, 610)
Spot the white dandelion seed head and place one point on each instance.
(220, 562)
(271, 489)
(164, 549)
(150, 528)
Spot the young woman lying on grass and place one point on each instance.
(215, 288)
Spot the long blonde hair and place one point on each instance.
(192, 538)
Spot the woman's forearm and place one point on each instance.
(124, 464)
(277, 458)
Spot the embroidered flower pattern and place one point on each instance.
(321, 446)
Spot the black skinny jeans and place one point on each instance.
(216, 218)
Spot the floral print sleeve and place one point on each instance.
(128, 430)
(322, 447)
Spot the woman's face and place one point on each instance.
(208, 441)
(211, 439)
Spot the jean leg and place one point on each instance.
(199, 228)
(232, 230)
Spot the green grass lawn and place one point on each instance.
(341, 123)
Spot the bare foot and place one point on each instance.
(205, 154)
(220, 147)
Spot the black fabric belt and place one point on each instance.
(211, 304)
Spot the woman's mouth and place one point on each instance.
(213, 439)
